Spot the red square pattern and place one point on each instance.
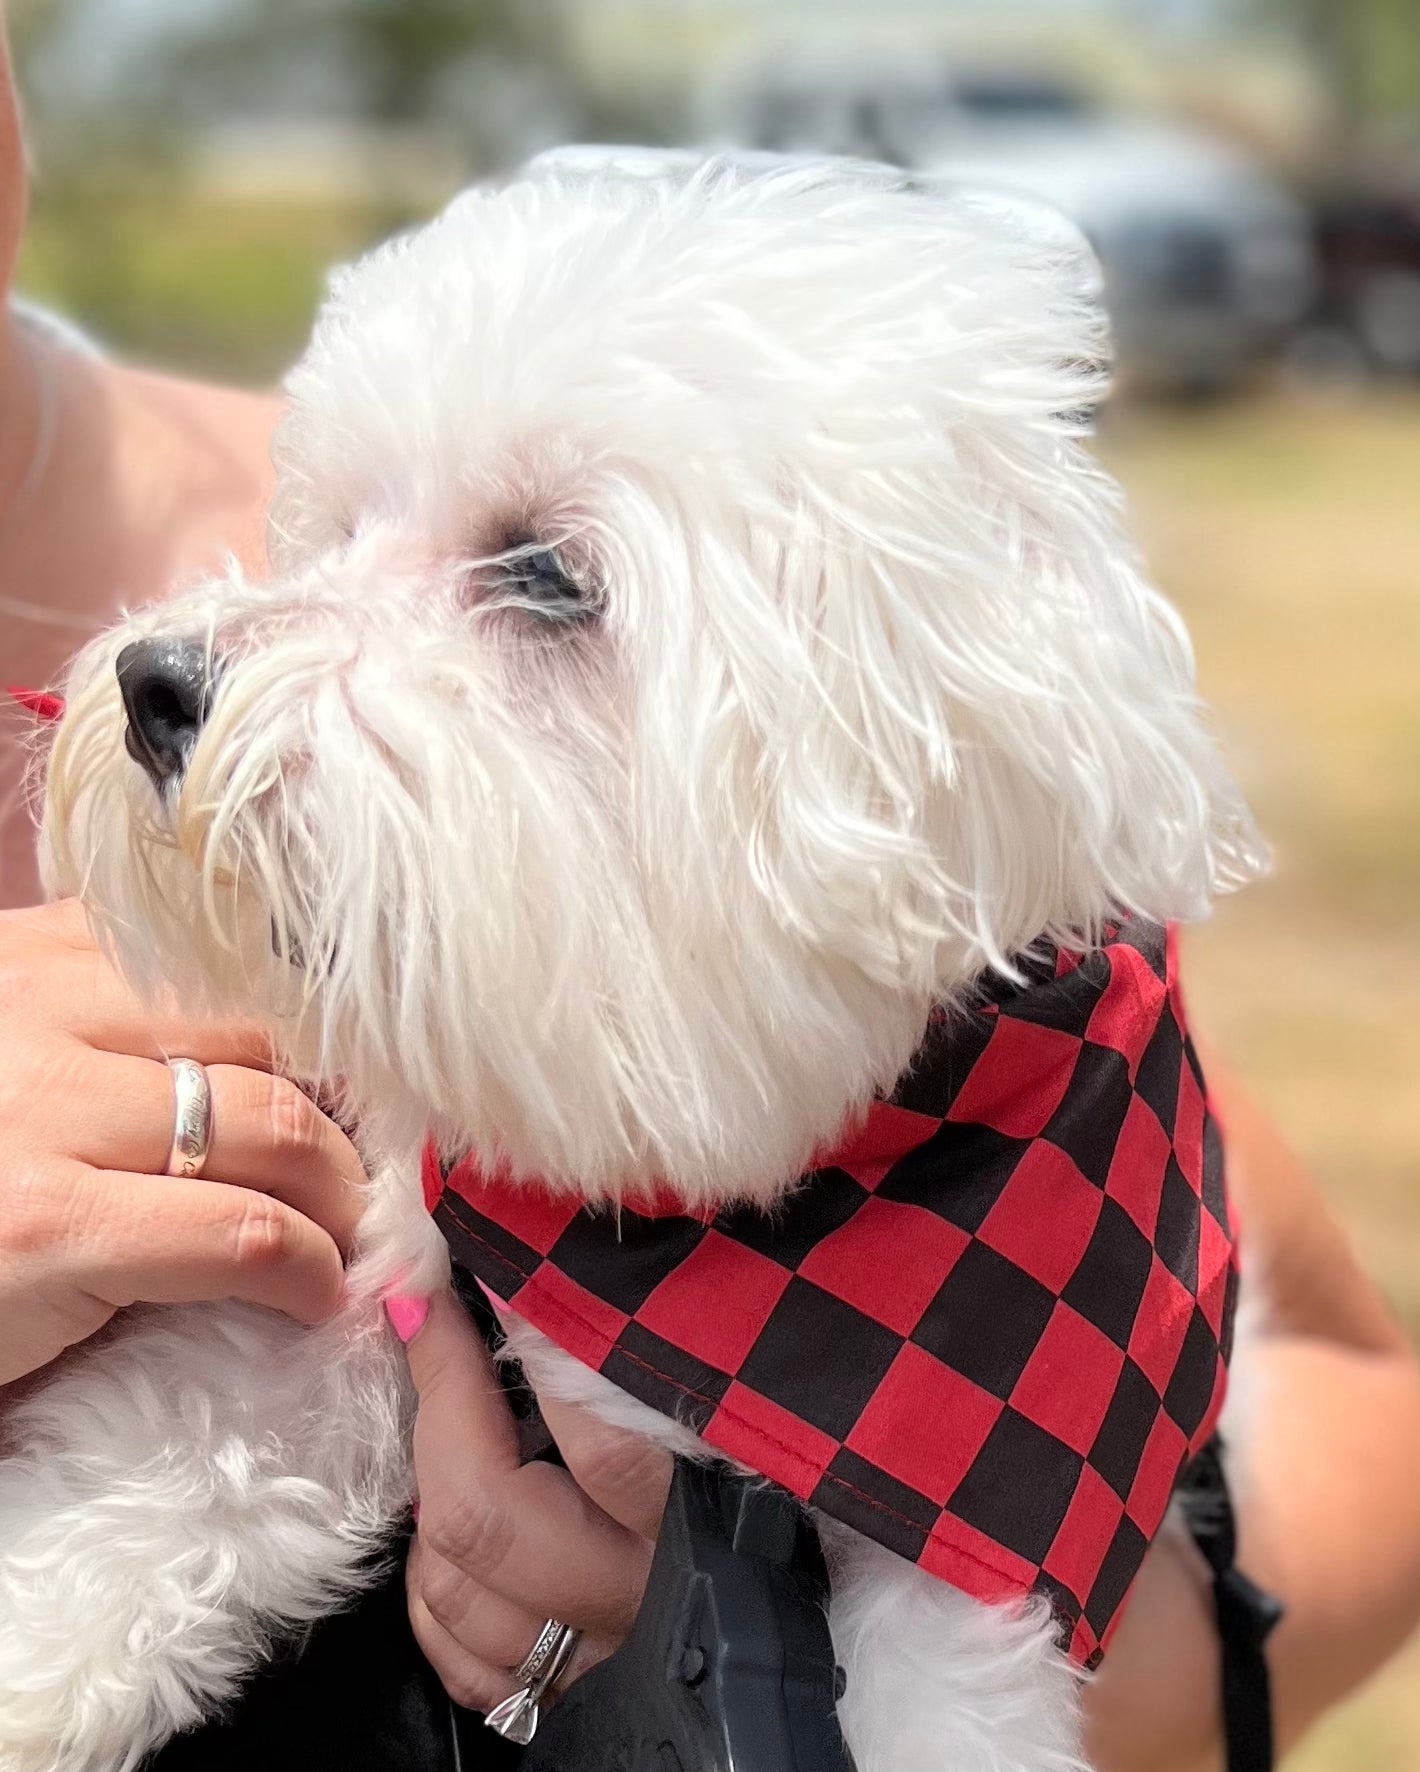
(886, 1135)
(849, 1261)
(1154, 1480)
(1090, 1523)
(1136, 1171)
(526, 1210)
(745, 1423)
(1188, 1127)
(1160, 1326)
(1069, 1380)
(921, 1411)
(1044, 1217)
(975, 1564)
(1020, 1079)
(1215, 1258)
(1127, 1012)
(744, 1287)
(566, 1311)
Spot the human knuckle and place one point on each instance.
(36, 971)
(472, 1532)
(468, 1688)
(292, 1121)
(39, 1067)
(17, 973)
(460, 1677)
(614, 1464)
(16, 982)
(261, 1235)
(41, 1206)
(444, 1590)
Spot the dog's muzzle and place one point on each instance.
(167, 690)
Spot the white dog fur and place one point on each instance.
(851, 687)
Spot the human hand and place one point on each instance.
(88, 1221)
(501, 1547)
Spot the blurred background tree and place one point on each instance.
(200, 164)
(1369, 54)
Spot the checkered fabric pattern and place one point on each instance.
(988, 1332)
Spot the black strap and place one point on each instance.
(1245, 1614)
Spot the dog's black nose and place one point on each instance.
(167, 690)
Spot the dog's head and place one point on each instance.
(696, 642)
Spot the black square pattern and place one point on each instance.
(1024, 1517)
(1157, 1075)
(1087, 1124)
(1128, 1422)
(648, 1250)
(1107, 1287)
(785, 1236)
(1191, 1388)
(1121, 1564)
(1176, 1236)
(959, 1173)
(989, 1349)
(819, 1357)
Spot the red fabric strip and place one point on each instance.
(39, 702)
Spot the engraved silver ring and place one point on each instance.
(192, 1118)
(517, 1718)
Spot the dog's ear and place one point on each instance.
(1011, 742)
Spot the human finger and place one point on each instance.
(496, 1631)
(626, 1474)
(266, 1133)
(521, 1531)
(478, 1637)
(160, 1239)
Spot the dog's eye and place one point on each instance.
(537, 580)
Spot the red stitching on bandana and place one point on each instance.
(451, 1201)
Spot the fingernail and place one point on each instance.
(406, 1312)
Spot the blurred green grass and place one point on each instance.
(1288, 532)
(170, 277)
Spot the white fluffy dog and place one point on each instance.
(696, 645)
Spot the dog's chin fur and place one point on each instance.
(846, 688)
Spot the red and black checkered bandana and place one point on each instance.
(988, 1331)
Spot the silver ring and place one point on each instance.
(192, 1118)
(516, 1718)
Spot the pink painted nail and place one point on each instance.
(406, 1312)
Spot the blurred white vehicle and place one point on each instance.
(1207, 260)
